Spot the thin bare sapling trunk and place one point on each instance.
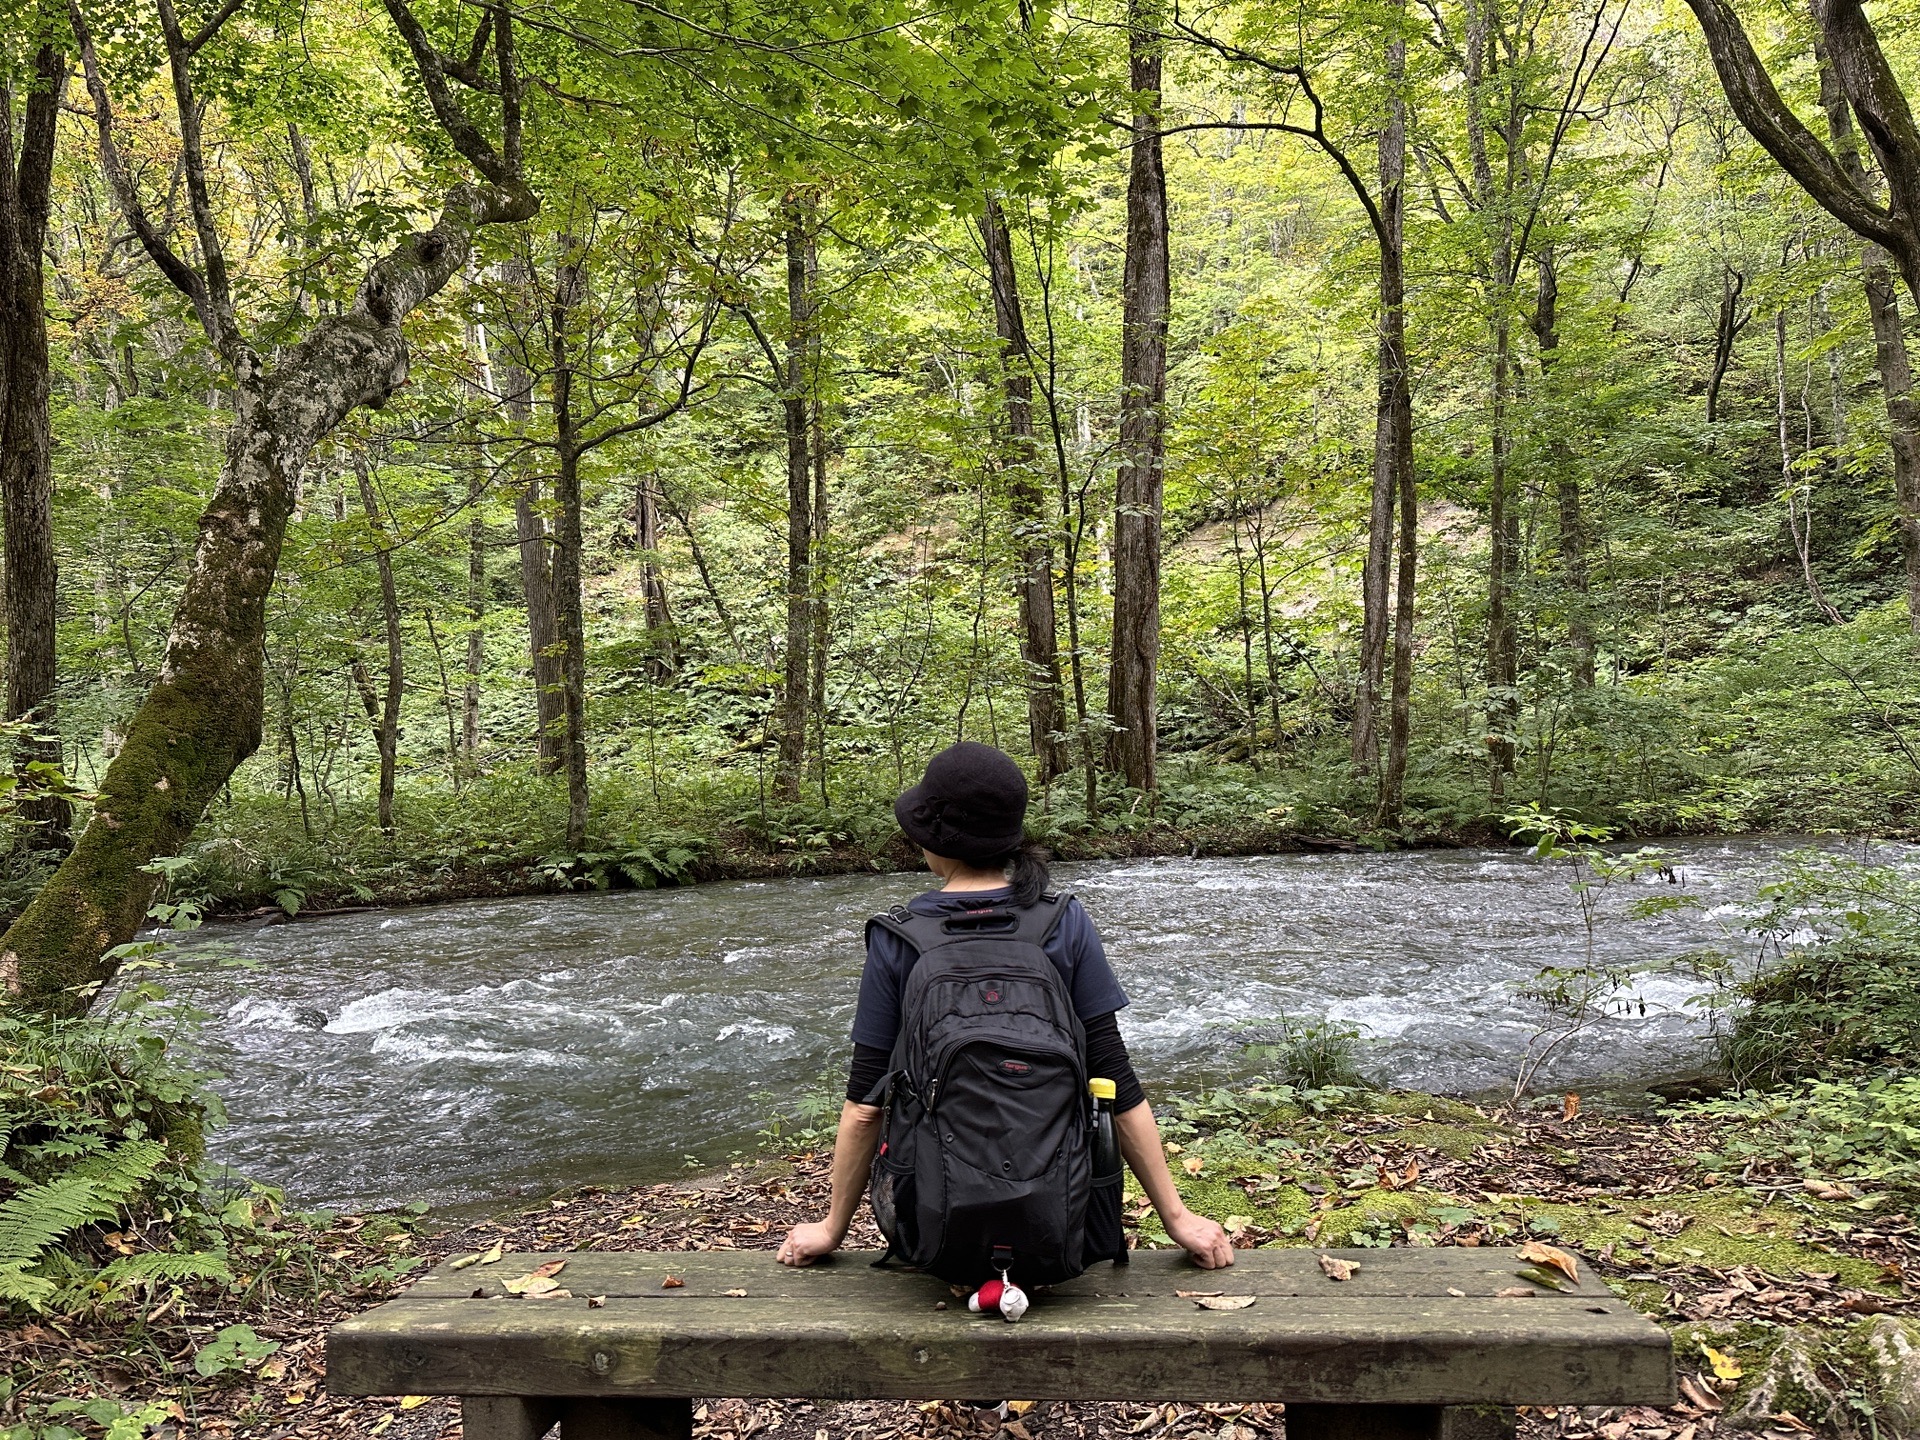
(1033, 527)
(386, 719)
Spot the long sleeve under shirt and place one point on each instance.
(1076, 951)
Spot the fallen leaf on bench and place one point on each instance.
(1541, 1253)
(1516, 1292)
(554, 1294)
(1457, 1294)
(673, 1282)
(461, 1262)
(1197, 1294)
(1338, 1269)
(596, 1302)
(1546, 1279)
(413, 1402)
(492, 1257)
(552, 1267)
(1224, 1302)
(531, 1286)
(735, 1294)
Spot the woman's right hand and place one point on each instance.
(807, 1243)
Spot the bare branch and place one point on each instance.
(182, 276)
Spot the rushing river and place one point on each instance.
(468, 1051)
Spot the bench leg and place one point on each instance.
(1365, 1422)
(1478, 1422)
(505, 1417)
(603, 1419)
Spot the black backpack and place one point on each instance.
(985, 1161)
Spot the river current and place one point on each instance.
(467, 1052)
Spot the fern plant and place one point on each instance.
(38, 1218)
(99, 1131)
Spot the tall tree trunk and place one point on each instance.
(530, 529)
(1392, 379)
(653, 583)
(26, 445)
(1566, 479)
(1033, 530)
(793, 406)
(1889, 343)
(1132, 699)
(386, 728)
(568, 598)
(1395, 417)
(1503, 527)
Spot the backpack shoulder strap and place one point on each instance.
(1033, 923)
(921, 932)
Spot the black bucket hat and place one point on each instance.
(971, 805)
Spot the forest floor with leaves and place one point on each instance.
(1792, 1300)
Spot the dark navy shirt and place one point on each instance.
(1074, 947)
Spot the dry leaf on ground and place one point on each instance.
(1516, 1292)
(1197, 1294)
(1225, 1302)
(673, 1282)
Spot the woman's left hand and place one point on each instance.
(1202, 1239)
(807, 1243)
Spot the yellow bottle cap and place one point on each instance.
(1102, 1089)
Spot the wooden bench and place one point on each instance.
(1419, 1344)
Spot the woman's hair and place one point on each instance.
(1027, 872)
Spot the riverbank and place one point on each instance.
(741, 856)
(503, 833)
(1792, 1298)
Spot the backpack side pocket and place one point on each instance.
(1106, 1236)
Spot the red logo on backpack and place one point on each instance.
(992, 996)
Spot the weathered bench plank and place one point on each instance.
(641, 1275)
(1393, 1335)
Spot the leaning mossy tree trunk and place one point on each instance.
(204, 713)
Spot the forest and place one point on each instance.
(1264, 420)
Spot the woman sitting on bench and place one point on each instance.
(967, 815)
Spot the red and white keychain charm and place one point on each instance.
(1002, 1295)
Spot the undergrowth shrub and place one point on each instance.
(1840, 992)
(101, 1132)
(1868, 1133)
(1308, 1053)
